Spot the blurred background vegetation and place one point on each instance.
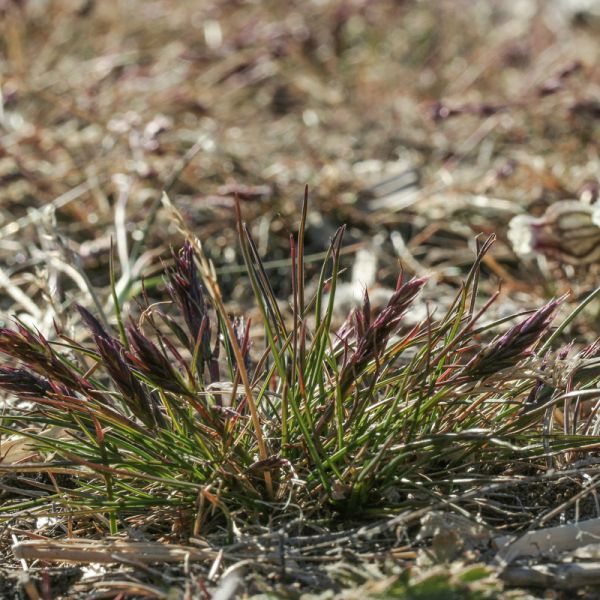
(419, 124)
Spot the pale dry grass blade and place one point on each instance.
(108, 551)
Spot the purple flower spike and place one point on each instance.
(507, 349)
(186, 291)
(373, 336)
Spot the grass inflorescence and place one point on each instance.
(184, 409)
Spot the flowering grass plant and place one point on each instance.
(179, 410)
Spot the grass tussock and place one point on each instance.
(180, 409)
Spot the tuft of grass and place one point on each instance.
(181, 410)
